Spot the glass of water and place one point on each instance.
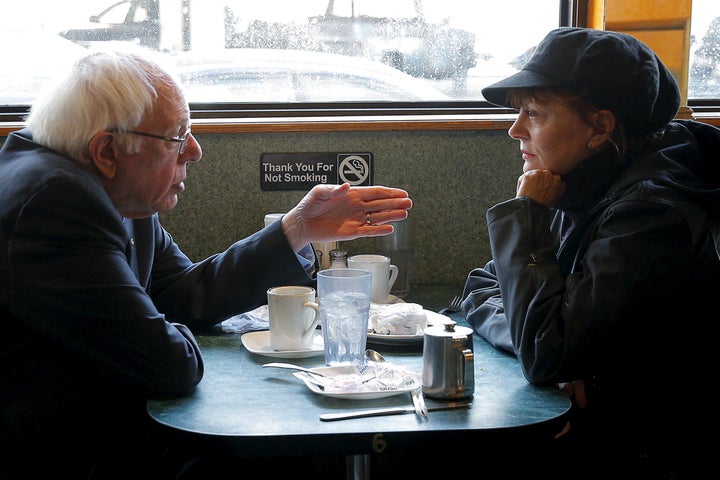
(344, 299)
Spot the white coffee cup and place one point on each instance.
(383, 273)
(293, 316)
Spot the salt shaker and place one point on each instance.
(338, 258)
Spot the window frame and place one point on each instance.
(357, 116)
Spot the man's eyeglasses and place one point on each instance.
(182, 140)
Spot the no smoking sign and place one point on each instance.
(354, 169)
(302, 171)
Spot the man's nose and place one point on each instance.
(193, 150)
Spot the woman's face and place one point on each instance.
(553, 133)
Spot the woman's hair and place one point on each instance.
(102, 91)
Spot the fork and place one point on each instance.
(419, 402)
(455, 304)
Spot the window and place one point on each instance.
(704, 76)
(290, 57)
(344, 52)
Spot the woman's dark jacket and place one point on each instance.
(619, 286)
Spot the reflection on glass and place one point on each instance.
(445, 49)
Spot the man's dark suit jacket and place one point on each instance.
(96, 310)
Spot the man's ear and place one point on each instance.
(103, 153)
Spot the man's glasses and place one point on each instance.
(182, 140)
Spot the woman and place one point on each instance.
(604, 263)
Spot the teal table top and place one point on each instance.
(254, 411)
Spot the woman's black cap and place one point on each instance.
(610, 70)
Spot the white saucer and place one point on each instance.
(259, 343)
(433, 318)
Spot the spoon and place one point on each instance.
(374, 356)
(371, 356)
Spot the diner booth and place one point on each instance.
(453, 176)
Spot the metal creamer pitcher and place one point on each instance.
(448, 362)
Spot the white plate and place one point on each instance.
(259, 343)
(369, 394)
(433, 318)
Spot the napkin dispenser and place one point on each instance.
(448, 362)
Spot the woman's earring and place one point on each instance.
(617, 149)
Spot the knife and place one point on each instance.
(328, 417)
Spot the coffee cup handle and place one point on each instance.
(316, 316)
(393, 276)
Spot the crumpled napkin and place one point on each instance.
(397, 319)
(247, 322)
(370, 377)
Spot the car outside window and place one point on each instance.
(134, 21)
(397, 33)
